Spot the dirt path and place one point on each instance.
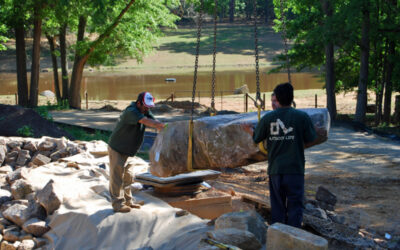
(363, 170)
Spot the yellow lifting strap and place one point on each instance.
(190, 148)
(213, 112)
(261, 144)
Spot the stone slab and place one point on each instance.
(284, 237)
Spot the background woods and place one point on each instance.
(354, 44)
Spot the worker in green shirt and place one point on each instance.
(287, 132)
(125, 141)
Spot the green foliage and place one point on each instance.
(25, 131)
(83, 134)
(134, 36)
(43, 111)
(309, 29)
(3, 39)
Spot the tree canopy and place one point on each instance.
(105, 31)
(361, 32)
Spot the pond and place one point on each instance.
(122, 85)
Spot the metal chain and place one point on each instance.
(285, 40)
(214, 57)
(196, 62)
(258, 95)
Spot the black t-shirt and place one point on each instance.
(285, 130)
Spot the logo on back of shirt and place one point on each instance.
(275, 128)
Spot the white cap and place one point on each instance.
(148, 100)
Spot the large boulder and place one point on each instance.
(218, 142)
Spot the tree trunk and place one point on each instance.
(267, 11)
(396, 118)
(22, 80)
(77, 71)
(361, 107)
(388, 83)
(80, 60)
(64, 62)
(52, 43)
(380, 86)
(37, 32)
(231, 11)
(330, 81)
(330, 68)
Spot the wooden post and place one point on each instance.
(199, 96)
(16, 99)
(247, 103)
(222, 93)
(87, 103)
(316, 101)
(172, 97)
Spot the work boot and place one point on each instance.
(122, 209)
(134, 204)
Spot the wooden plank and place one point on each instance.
(206, 208)
(211, 211)
(256, 200)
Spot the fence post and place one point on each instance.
(247, 102)
(316, 101)
(16, 99)
(222, 93)
(172, 97)
(87, 103)
(199, 96)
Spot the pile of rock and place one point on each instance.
(24, 211)
(16, 152)
(319, 215)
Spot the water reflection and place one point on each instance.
(125, 86)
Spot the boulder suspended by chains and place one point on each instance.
(218, 142)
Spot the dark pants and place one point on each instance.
(286, 193)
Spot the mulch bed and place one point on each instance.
(13, 118)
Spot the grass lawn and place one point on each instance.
(235, 48)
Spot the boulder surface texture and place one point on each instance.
(218, 142)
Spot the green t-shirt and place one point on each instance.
(127, 136)
(285, 130)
